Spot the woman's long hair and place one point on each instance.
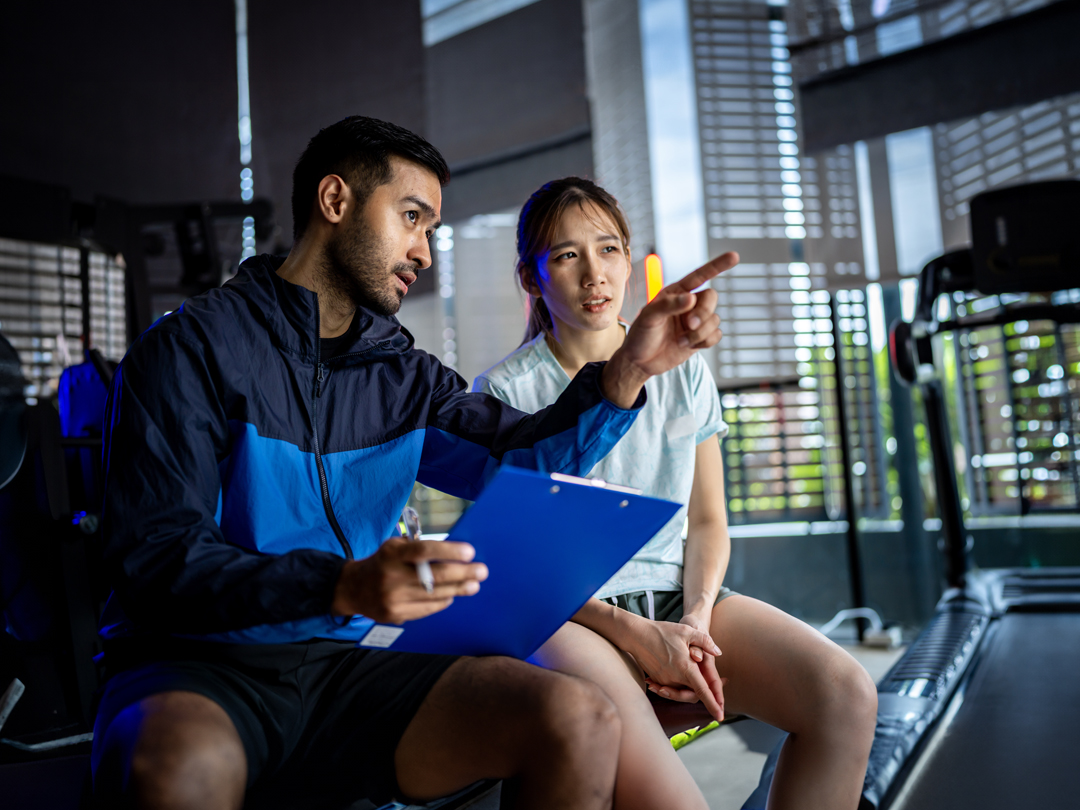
(536, 228)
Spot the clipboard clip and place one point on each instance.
(599, 483)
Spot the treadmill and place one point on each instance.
(983, 709)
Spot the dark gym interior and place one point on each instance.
(900, 365)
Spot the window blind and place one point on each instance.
(41, 308)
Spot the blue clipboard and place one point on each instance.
(549, 543)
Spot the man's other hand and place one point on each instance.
(385, 587)
(670, 328)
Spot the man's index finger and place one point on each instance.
(707, 271)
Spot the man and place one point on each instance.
(261, 443)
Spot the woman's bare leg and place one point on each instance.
(783, 672)
(650, 773)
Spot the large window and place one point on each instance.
(818, 233)
(1015, 393)
(795, 220)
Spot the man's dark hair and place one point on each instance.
(358, 149)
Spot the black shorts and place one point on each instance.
(320, 720)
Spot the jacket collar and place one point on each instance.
(290, 313)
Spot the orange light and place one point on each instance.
(654, 275)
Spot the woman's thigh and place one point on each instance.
(651, 775)
(779, 669)
(577, 650)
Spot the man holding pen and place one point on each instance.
(260, 445)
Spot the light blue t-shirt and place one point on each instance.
(656, 455)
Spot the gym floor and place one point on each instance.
(727, 762)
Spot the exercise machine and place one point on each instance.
(981, 710)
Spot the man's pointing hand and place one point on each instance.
(670, 328)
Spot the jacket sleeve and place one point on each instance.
(468, 435)
(165, 433)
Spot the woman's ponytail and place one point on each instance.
(539, 320)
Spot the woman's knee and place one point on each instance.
(849, 696)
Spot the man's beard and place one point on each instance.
(358, 268)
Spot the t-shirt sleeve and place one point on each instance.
(484, 385)
(708, 414)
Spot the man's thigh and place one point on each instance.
(356, 709)
(480, 721)
(180, 709)
(319, 722)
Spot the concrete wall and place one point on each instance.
(507, 105)
(139, 101)
(317, 62)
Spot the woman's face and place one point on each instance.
(583, 277)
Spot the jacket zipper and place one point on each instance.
(327, 506)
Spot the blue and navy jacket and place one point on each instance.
(242, 469)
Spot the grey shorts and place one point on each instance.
(660, 606)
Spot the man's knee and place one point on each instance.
(172, 750)
(577, 712)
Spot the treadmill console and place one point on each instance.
(1027, 238)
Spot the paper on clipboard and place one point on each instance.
(550, 542)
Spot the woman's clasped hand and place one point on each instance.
(678, 660)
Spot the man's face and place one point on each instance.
(377, 252)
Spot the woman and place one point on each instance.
(661, 622)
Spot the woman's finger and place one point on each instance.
(679, 694)
(705, 642)
(705, 693)
(714, 683)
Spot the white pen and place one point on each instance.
(412, 528)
